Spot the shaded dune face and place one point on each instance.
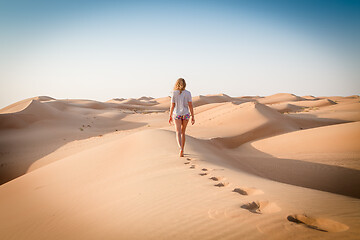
(253, 121)
(33, 128)
(308, 158)
(299, 106)
(339, 138)
(33, 112)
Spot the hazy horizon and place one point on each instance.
(128, 49)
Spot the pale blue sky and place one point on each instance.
(107, 49)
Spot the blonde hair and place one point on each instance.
(180, 85)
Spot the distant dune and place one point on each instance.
(280, 97)
(255, 167)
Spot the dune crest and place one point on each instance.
(20, 105)
(279, 97)
(34, 111)
(254, 121)
(339, 141)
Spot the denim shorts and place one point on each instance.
(183, 117)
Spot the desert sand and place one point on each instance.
(275, 167)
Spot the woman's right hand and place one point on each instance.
(192, 120)
(170, 119)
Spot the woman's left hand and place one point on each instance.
(170, 120)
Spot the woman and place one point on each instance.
(181, 102)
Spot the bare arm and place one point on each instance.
(171, 112)
(192, 113)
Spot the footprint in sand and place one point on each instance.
(321, 224)
(216, 213)
(261, 207)
(193, 166)
(222, 184)
(203, 174)
(217, 178)
(248, 191)
(188, 160)
(225, 212)
(206, 169)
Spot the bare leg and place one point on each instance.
(178, 132)
(183, 129)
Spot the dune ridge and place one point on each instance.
(279, 97)
(254, 121)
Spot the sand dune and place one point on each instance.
(145, 98)
(42, 127)
(34, 111)
(275, 167)
(327, 114)
(132, 101)
(235, 124)
(143, 104)
(278, 98)
(18, 106)
(315, 103)
(202, 100)
(336, 145)
(88, 104)
(300, 106)
(309, 97)
(116, 100)
(328, 153)
(286, 107)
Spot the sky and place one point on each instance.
(99, 50)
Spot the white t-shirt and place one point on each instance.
(181, 102)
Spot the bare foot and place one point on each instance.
(181, 154)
